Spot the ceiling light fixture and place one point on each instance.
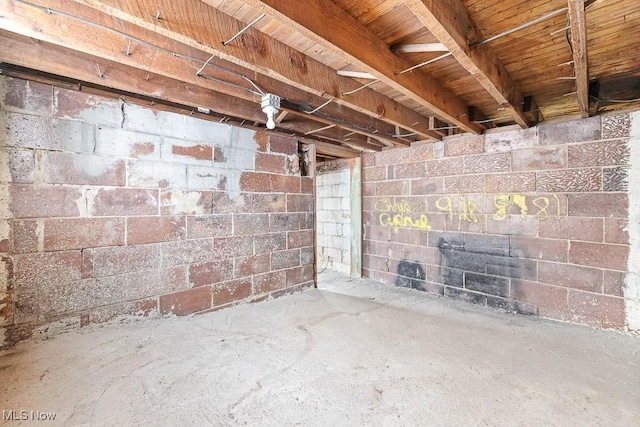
(270, 106)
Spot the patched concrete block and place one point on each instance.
(143, 173)
(511, 140)
(210, 178)
(186, 202)
(123, 143)
(189, 152)
(573, 131)
(204, 131)
(75, 169)
(72, 136)
(93, 109)
(139, 119)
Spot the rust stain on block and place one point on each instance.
(236, 290)
(186, 302)
(200, 152)
(142, 149)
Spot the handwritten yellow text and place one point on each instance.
(467, 209)
(502, 202)
(386, 205)
(398, 215)
(404, 221)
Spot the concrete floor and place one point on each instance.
(354, 353)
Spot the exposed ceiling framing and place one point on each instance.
(353, 75)
(578, 32)
(451, 24)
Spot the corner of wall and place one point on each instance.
(632, 281)
(356, 216)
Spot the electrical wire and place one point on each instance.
(201, 65)
(262, 92)
(326, 265)
(141, 42)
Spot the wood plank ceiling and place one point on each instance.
(353, 75)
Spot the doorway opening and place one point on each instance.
(338, 187)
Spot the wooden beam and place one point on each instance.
(281, 116)
(158, 61)
(34, 54)
(577, 19)
(111, 39)
(343, 125)
(335, 151)
(200, 26)
(449, 22)
(361, 47)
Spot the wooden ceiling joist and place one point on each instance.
(196, 24)
(451, 24)
(29, 53)
(336, 151)
(340, 67)
(113, 46)
(577, 19)
(360, 46)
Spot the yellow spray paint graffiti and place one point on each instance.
(404, 221)
(504, 201)
(399, 215)
(467, 209)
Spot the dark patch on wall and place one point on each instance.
(411, 275)
(485, 258)
(512, 306)
(492, 285)
(466, 296)
(451, 277)
(479, 269)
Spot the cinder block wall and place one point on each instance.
(333, 187)
(532, 221)
(111, 209)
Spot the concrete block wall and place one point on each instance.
(109, 208)
(532, 221)
(333, 194)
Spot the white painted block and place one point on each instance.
(143, 173)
